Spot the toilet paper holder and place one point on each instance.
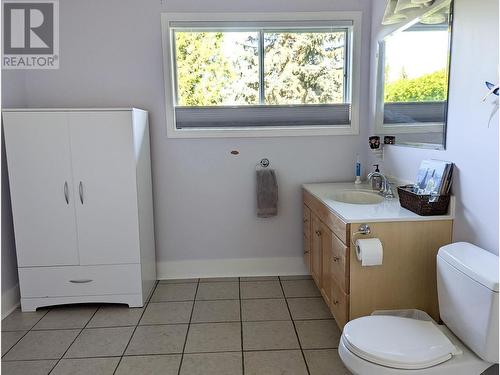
(363, 229)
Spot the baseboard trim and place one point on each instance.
(184, 269)
(11, 299)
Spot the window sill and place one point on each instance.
(292, 131)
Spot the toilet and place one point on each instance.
(386, 344)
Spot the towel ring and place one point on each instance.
(264, 163)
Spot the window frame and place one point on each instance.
(383, 128)
(353, 42)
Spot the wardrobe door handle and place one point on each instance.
(81, 281)
(66, 192)
(80, 190)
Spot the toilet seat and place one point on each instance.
(398, 342)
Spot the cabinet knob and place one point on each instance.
(306, 252)
(335, 302)
(336, 259)
(318, 233)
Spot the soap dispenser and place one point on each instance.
(376, 180)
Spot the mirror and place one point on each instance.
(412, 81)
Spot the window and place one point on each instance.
(235, 77)
(416, 75)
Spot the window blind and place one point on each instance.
(414, 112)
(262, 116)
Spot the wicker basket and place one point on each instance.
(420, 203)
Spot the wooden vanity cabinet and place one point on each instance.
(405, 280)
(307, 237)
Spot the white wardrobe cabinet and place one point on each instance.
(80, 183)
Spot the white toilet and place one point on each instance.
(467, 280)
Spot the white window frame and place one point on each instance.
(268, 131)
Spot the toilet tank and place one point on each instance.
(467, 281)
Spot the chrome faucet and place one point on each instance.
(386, 190)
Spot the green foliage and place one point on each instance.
(429, 87)
(299, 68)
(304, 68)
(202, 70)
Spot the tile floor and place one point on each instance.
(219, 326)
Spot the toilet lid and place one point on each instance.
(398, 342)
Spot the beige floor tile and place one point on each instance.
(309, 308)
(86, 366)
(325, 362)
(66, 317)
(100, 342)
(300, 288)
(19, 321)
(269, 336)
(264, 309)
(42, 345)
(216, 311)
(261, 289)
(217, 279)
(115, 316)
(212, 364)
(218, 290)
(9, 339)
(318, 334)
(167, 313)
(289, 362)
(149, 365)
(213, 337)
(28, 367)
(158, 339)
(174, 292)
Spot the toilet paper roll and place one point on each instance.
(369, 252)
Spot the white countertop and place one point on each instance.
(388, 210)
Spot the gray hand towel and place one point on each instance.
(267, 193)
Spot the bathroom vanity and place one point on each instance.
(333, 213)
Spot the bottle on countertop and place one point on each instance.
(358, 170)
(376, 180)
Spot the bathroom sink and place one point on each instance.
(357, 197)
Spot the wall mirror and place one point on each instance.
(412, 80)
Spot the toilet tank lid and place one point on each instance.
(479, 264)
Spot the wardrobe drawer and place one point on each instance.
(80, 280)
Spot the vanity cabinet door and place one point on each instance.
(339, 305)
(339, 264)
(326, 253)
(315, 253)
(307, 237)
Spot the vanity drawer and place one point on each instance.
(339, 264)
(80, 280)
(339, 305)
(336, 225)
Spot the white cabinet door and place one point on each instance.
(105, 187)
(41, 188)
